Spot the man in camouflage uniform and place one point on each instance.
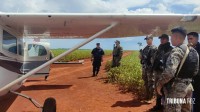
(147, 73)
(117, 54)
(193, 38)
(160, 59)
(178, 86)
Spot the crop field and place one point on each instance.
(76, 55)
(128, 75)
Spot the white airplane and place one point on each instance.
(20, 60)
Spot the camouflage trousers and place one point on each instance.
(178, 97)
(116, 61)
(148, 78)
(157, 75)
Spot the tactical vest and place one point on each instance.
(161, 56)
(117, 51)
(191, 64)
(147, 54)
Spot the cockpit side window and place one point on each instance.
(36, 50)
(9, 42)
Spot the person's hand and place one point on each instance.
(158, 89)
(139, 57)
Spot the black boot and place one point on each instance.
(96, 73)
(156, 108)
(93, 74)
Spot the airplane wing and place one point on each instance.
(90, 26)
(83, 25)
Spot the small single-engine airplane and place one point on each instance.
(19, 60)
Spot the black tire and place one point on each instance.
(49, 105)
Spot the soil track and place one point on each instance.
(75, 91)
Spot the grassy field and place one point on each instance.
(129, 75)
(76, 55)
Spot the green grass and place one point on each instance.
(76, 55)
(128, 75)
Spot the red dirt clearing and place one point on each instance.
(75, 91)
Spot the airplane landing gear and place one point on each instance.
(45, 78)
(49, 103)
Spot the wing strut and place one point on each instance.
(23, 77)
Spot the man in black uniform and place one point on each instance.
(193, 38)
(97, 58)
(160, 59)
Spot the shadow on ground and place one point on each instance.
(6, 101)
(84, 77)
(44, 87)
(131, 103)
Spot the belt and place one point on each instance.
(186, 81)
(115, 55)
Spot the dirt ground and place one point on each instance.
(75, 91)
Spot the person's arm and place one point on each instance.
(102, 55)
(92, 56)
(140, 54)
(120, 52)
(171, 67)
(153, 57)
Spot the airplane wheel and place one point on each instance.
(49, 105)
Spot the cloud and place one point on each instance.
(181, 2)
(143, 11)
(158, 9)
(68, 6)
(98, 6)
(162, 9)
(187, 2)
(196, 10)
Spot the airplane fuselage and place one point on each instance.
(18, 57)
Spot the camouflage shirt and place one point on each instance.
(147, 55)
(118, 51)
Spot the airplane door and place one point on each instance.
(35, 55)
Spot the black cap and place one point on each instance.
(148, 37)
(117, 41)
(194, 34)
(98, 44)
(180, 30)
(164, 36)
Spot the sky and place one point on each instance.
(102, 6)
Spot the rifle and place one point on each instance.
(158, 63)
(113, 56)
(113, 51)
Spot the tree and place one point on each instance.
(140, 45)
